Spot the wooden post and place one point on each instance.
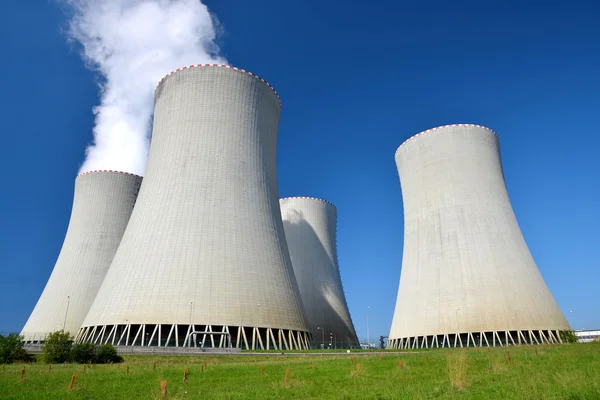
(202, 367)
(508, 356)
(426, 358)
(358, 367)
(65, 364)
(400, 365)
(262, 369)
(163, 389)
(73, 380)
(381, 356)
(287, 372)
(84, 368)
(23, 374)
(154, 366)
(536, 350)
(185, 374)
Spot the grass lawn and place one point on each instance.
(554, 372)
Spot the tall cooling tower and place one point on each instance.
(204, 260)
(101, 209)
(468, 278)
(310, 231)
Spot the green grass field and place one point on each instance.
(555, 372)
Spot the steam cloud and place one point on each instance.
(132, 44)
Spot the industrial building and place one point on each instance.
(102, 205)
(588, 335)
(467, 278)
(310, 230)
(204, 262)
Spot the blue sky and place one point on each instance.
(356, 81)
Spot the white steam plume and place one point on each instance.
(132, 44)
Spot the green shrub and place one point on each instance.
(84, 353)
(568, 337)
(11, 349)
(90, 353)
(107, 353)
(57, 347)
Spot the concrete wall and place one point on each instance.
(102, 205)
(465, 267)
(310, 230)
(205, 244)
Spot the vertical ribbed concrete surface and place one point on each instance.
(205, 249)
(102, 205)
(466, 267)
(310, 230)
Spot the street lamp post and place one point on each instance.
(334, 336)
(518, 327)
(190, 328)
(368, 337)
(66, 312)
(322, 336)
(457, 326)
(571, 319)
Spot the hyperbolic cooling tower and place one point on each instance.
(310, 231)
(466, 268)
(204, 260)
(102, 205)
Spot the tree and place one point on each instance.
(568, 337)
(84, 353)
(57, 347)
(11, 349)
(107, 353)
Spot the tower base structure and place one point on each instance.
(477, 339)
(196, 336)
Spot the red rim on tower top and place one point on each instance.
(222, 66)
(308, 198)
(106, 170)
(442, 127)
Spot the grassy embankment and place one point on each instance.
(552, 372)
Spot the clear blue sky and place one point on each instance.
(355, 81)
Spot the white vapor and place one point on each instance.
(132, 44)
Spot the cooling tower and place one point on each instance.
(468, 278)
(102, 205)
(310, 231)
(204, 260)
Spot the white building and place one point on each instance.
(589, 335)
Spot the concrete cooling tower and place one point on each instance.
(204, 260)
(310, 231)
(468, 278)
(101, 209)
